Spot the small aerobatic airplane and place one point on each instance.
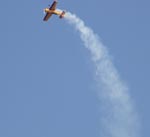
(52, 10)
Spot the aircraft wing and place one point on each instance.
(47, 16)
(53, 6)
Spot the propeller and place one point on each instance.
(44, 11)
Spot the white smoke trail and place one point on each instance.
(119, 116)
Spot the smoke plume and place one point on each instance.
(118, 115)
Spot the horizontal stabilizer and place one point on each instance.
(62, 14)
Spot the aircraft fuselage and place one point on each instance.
(56, 12)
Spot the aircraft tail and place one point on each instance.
(62, 14)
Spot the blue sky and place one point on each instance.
(47, 85)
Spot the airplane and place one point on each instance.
(52, 10)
